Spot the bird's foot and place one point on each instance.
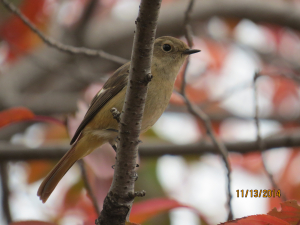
(116, 114)
(114, 146)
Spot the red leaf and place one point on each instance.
(32, 223)
(217, 52)
(177, 99)
(257, 220)
(145, 210)
(48, 119)
(73, 195)
(287, 178)
(19, 114)
(252, 162)
(80, 204)
(16, 33)
(54, 131)
(38, 169)
(290, 212)
(283, 89)
(15, 114)
(129, 223)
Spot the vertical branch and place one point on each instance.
(117, 203)
(197, 112)
(86, 17)
(260, 142)
(5, 192)
(88, 186)
(187, 25)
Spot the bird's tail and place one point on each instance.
(78, 151)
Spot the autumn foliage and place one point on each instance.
(219, 81)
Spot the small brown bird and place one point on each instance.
(99, 126)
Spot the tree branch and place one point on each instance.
(117, 204)
(188, 28)
(85, 18)
(5, 192)
(197, 112)
(58, 45)
(88, 186)
(10, 152)
(260, 142)
(276, 12)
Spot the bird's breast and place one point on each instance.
(158, 97)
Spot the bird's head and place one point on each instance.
(169, 53)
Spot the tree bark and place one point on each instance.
(118, 202)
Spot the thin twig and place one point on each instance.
(88, 186)
(260, 142)
(58, 45)
(201, 115)
(224, 96)
(86, 17)
(5, 192)
(188, 28)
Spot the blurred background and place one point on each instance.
(44, 94)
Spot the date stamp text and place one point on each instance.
(258, 193)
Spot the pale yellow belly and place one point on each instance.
(156, 102)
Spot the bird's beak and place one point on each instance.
(190, 51)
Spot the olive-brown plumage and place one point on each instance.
(98, 125)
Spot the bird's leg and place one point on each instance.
(116, 114)
(113, 143)
(114, 146)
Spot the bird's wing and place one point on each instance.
(110, 89)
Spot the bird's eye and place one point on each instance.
(167, 47)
